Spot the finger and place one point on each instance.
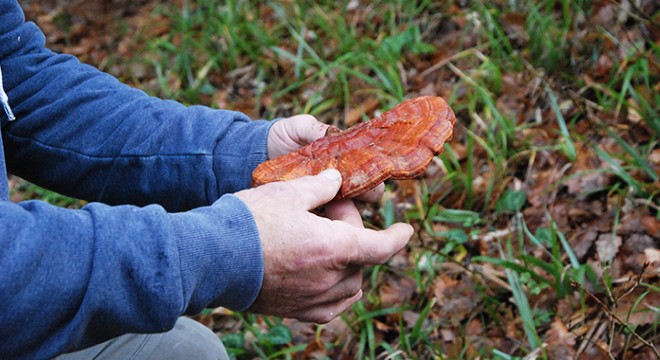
(325, 313)
(292, 133)
(314, 191)
(343, 305)
(374, 195)
(345, 288)
(305, 128)
(371, 247)
(344, 210)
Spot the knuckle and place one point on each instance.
(278, 189)
(305, 118)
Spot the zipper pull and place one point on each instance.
(4, 100)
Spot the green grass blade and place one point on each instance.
(569, 147)
(510, 265)
(643, 164)
(566, 246)
(522, 303)
(617, 169)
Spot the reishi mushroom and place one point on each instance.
(399, 144)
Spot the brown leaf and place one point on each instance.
(587, 171)
(635, 250)
(651, 225)
(582, 241)
(602, 67)
(643, 313)
(652, 257)
(561, 342)
(587, 182)
(396, 291)
(595, 351)
(475, 328)
(220, 98)
(456, 297)
(654, 158)
(410, 318)
(354, 115)
(606, 15)
(607, 246)
(514, 23)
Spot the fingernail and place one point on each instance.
(331, 174)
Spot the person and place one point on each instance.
(171, 226)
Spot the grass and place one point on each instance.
(224, 37)
(23, 190)
(558, 122)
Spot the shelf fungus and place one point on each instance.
(398, 144)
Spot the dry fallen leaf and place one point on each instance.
(634, 252)
(653, 257)
(651, 225)
(644, 313)
(561, 342)
(396, 291)
(455, 297)
(354, 115)
(582, 241)
(607, 247)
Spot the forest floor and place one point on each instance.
(538, 227)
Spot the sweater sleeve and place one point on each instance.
(74, 278)
(83, 133)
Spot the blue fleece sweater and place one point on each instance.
(137, 257)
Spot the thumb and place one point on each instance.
(304, 128)
(314, 191)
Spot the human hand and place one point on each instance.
(290, 134)
(312, 264)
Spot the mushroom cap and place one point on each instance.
(399, 144)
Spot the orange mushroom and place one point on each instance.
(399, 144)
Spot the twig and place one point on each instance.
(638, 13)
(587, 337)
(449, 59)
(640, 276)
(615, 317)
(648, 203)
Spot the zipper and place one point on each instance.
(4, 100)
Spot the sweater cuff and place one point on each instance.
(220, 255)
(259, 152)
(239, 152)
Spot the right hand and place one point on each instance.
(312, 264)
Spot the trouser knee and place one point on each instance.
(187, 340)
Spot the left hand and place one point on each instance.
(292, 133)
